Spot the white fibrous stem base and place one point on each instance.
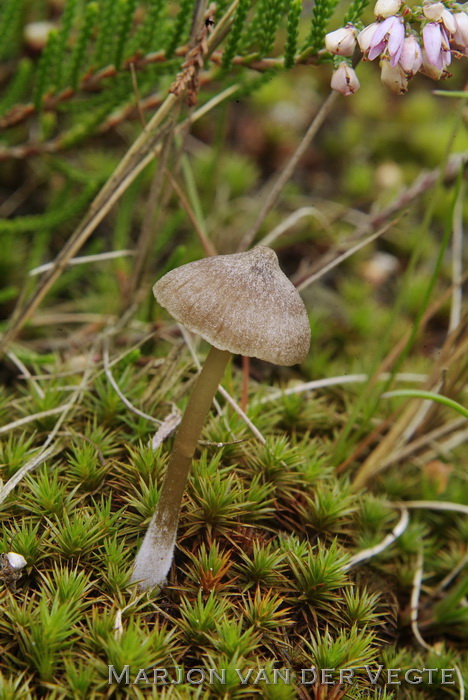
(154, 559)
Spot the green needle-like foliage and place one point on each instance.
(63, 37)
(263, 565)
(49, 494)
(86, 467)
(125, 10)
(270, 14)
(150, 28)
(328, 511)
(199, 619)
(235, 33)
(355, 11)
(361, 607)
(180, 27)
(294, 15)
(321, 14)
(13, 452)
(43, 629)
(319, 576)
(233, 640)
(78, 55)
(267, 613)
(70, 207)
(209, 568)
(346, 650)
(46, 69)
(11, 13)
(18, 85)
(104, 43)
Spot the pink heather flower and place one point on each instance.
(394, 77)
(388, 38)
(460, 36)
(436, 45)
(429, 69)
(432, 38)
(437, 12)
(345, 80)
(411, 56)
(341, 42)
(386, 8)
(365, 37)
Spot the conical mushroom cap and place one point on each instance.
(242, 302)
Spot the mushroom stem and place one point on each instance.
(154, 558)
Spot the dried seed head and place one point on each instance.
(242, 302)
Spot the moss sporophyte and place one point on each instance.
(240, 303)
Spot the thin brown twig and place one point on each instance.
(187, 79)
(136, 93)
(148, 227)
(207, 245)
(420, 185)
(61, 142)
(288, 170)
(91, 82)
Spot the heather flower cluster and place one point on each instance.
(422, 39)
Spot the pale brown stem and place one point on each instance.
(154, 558)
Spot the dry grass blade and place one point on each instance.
(49, 448)
(37, 460)
(36, 416)
(83, 260)
(26, 373)
(457, 262)
(397, 531)
(115, 386)
(139, 155)
(149, 225)
(288, 170)
(452, 355)
(414, 614)
(347, 254)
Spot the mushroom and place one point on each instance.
(240, 303)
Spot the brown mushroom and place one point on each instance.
(240, 303)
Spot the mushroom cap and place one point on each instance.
(242, 302)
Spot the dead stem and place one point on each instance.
(288, 170)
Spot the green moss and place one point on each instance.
(264, 577)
